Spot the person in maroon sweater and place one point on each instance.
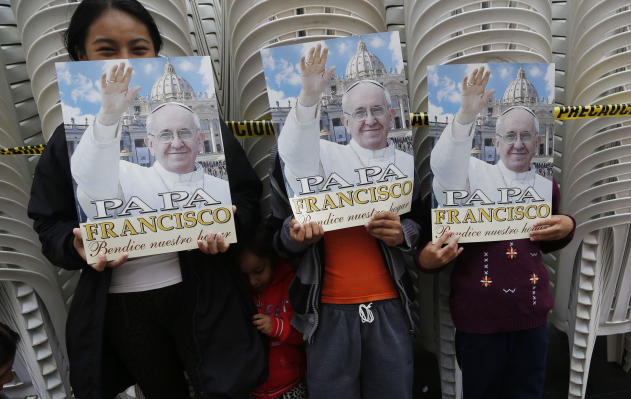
(269, 281)
(500, 295)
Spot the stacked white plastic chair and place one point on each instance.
(207, 21)
(435, 32)
(32, 300)
(41, 291)
(593, 274)
(450, 31)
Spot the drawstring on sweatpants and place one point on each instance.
(365, 313)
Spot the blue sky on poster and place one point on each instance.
(80, 82)
(280, 64)
(444, 83)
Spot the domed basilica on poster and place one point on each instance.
(364, 64)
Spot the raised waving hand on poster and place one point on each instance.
(115, 93)
(345, 142)
(314, 75)
(474, 95)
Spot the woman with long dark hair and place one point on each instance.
(192, 322)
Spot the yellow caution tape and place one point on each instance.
(249, 129)
(418, 120)
(26, 150)
(591, 111)
(253, 129)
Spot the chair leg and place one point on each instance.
(580, 359)
(450, 375)
(585, 324)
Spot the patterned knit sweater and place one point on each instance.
(503, 286)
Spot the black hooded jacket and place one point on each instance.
(231, 363)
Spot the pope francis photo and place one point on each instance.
(367, 115)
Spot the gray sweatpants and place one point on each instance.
(361, 351)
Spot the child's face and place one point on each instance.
(258, 270)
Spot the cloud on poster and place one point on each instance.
(288, 74)
(450, 90)
(149, 68)
(471, 67)
(63, 75)
(506, 73)
(70, 113)
(395, 47)
(343, 47)
(268, 60)
(84, 89)
(185, 66)
(432, 75)
(280, 97)
(438, 113)
(305, 47)
(376, 42)
(108, 64)
(207, 79)
(549, 79)
(534, 71)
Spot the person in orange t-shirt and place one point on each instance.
(352, 293)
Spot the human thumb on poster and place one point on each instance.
(214, 244)
(77, 242)
(313, 75)
(102, 263)
(115, 94)
(474, 96)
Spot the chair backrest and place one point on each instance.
(26, 261)
(42, 315)
(48, 293)
(615, 269)
(597, 250)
